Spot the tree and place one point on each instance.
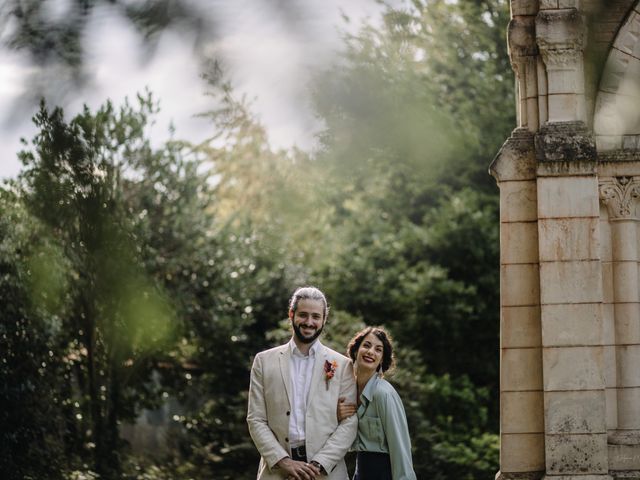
(117, 317)
(32, 423)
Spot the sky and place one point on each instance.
(269, 49)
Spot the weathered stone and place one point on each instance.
(624, 437)
(608, 324)
(569, 239)
(572, 368)
(628, 355)
(627, 323)
(629, 415)
(560, 29)
(520, 369)
(625, 282)
(610, 366)
(619, 194)
(568, 197)
(518, 201)
(611, 396)
(570, 282)
(519, 476)
(548, 4)
(516, 159)
(567, 145)
(521, 34)
(524, 7)
(520, 327)
(519, 285)
(571, 324)
(624, 458)
(521, 412)
(575, 412)
(577, 477)
(604, 239)
(607, 282)
(576, 454)
(521, 452)
(519, 242)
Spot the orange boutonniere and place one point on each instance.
(329, 371)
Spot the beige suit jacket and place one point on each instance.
(269, 411)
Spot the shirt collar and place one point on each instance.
(370, 387)
(293, 348)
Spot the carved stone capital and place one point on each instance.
(618, 194)
(521, 35)
(524, 7)
(561, 37)
(563, 58)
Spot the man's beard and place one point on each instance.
(301, 337)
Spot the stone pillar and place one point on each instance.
(571, 297)
(561, 35)
(570, 268)
(523, 53)
(521, 399)
(608, 318)
(619, 195)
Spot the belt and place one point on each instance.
(299, 453)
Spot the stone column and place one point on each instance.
(608, 318)
(561, 35)
(619, 195)
(523, 53)
(571, 297)
(521, 399)
(570, 269)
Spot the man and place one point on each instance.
(293, 399)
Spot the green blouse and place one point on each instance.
(382, 427)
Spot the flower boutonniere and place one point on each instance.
(329, 371)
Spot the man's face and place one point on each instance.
(307, 320)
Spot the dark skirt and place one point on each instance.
(373, 466)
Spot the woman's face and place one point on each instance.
(370, 352)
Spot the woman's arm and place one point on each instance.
(345, 410)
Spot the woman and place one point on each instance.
(383, 446)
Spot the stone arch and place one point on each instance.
(617, 108)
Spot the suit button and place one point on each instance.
(286, 439)
(288, 413)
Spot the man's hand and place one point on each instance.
(295, 470)
(345, 410)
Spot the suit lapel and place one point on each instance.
(318, 371)
(285, 370)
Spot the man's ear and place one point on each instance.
(291, 314)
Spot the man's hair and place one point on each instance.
(388, 359)
(309, 293)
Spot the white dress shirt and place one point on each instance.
(301, 373)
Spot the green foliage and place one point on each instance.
(86, 273)
(30, 426)
(448, 422)
(34, 28)
(137, 274)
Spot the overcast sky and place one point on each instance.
(270, 50)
